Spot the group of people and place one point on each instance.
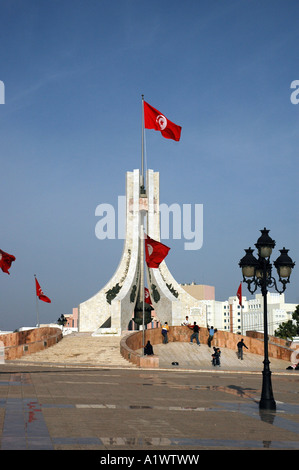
(195, 334)
(148, 349)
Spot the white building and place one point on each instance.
(228, 315)
(278, 312)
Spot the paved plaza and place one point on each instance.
(82, 395)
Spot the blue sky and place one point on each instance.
(74, 72)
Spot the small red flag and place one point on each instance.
(239, 294)
(40, 293)
(153, 119)
(155, 252)
(147, 296)
(5, 261)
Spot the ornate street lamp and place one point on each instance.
(257, 272)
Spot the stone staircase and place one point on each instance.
(86, 350)
(81, 349)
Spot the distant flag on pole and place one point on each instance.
(155, 252)
(40, 293)
(153, 119)
(239, 294)
(5, 261)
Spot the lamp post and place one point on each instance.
(257, 272)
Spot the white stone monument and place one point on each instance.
(112, 308)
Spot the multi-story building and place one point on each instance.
(228, 314)
(278, 312)
(72, 319)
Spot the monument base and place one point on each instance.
(106, 332)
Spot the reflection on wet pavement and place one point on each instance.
(25, 426)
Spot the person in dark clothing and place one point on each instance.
(240, 347)
(148, 349)
(195, 333)
(216, 357)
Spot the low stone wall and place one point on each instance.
(278, 348)
(223, 339)
(273, 339)
(27, 342)
(134, 341)
(255, 343)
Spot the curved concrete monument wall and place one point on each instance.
(114, 304)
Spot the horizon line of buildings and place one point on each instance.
(224, 315)
(227, 315)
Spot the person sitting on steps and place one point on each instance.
(216, 357)
(148, 349)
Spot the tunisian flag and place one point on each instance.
(153, 119)
(155, 252)
(5, 261)
(147, 296)
(239, 294)
(40, 293)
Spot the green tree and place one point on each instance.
(289, 329)
(295, 316)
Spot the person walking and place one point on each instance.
(165, 329)
(195, 333)
(240, 347)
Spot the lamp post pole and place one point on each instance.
(258, 273)
(267, 401)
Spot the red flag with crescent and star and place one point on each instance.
(147, 296)
(40, 293)
(155, 252)
(153, 119)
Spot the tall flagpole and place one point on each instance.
(142, 273)
(142, 144)
(142, 217)
(37, 312)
